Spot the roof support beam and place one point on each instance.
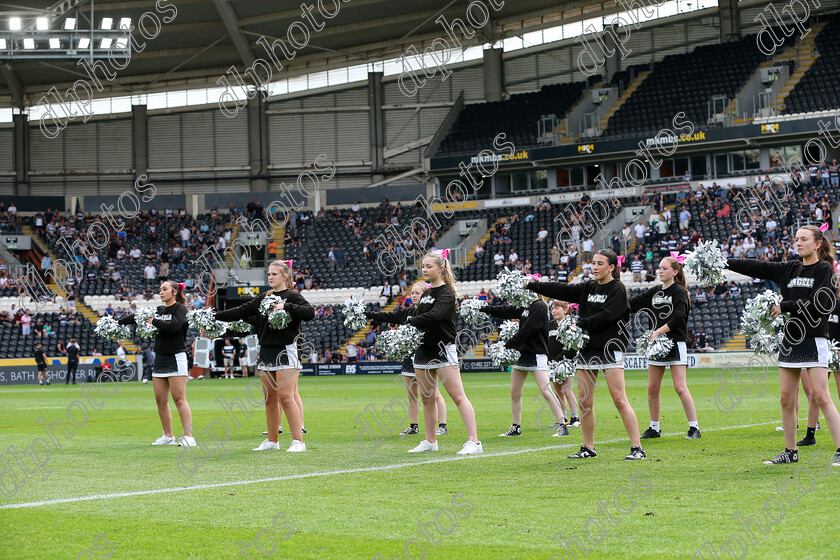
(231, 22)
(13, 81)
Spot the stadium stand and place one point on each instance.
(817, 91)
(685, 83)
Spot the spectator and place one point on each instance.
(149, 274)
(542, 235)
(332, 258)
(636, 267)
(352, 350)
(562, 274)
(228, 352)
(700, 297)
(685, 218)
(25, 324)
(588, 247)
(555, 255)
(478, 250)
(734, 289)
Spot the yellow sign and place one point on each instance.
(248, 291)
(453, 207)
(772, 128)
(586, 148)
(63, 360)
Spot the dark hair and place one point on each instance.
(612, 259)
(179, 293)
(826, 250)
(680, 277)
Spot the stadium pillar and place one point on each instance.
(611, 62)
(494, 75)
(730, 21)
(140, 140)
(258, 144)
(21, 123)
(376, 121)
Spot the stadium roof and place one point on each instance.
(209, 36)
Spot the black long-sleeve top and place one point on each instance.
(556, 350)
(171, 323)
(834, 322)
(668, 306)
(532, 336)
(397, 317)
(296, 306)
(435, 316)
(604, 311)
(800, 286)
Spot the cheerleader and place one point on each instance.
(435, 317)
(170, 369)
(278, 363)
(557, 352)
(409, 377)
(805, 285)
(667, 307)
(603, 313)
(531, 340)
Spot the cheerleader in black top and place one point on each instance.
(399, 317)
(170, 369)
(435, 317)
(667, 307)
(531, 340)
(808, 295)
(603, 313)
(279, 364)
(557, 352)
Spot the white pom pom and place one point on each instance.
(108, 327)
(759, 325)
(354, 314)
(706, 263)
(399, 343)
(656, 350)
(511, 288)
(470, 311)
(501, 356)
(571, 336)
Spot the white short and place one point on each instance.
(183, 370)
(811, 352)
(278, 358)
(595, 361)
(678, 356)
(447, 358)
(531, 362)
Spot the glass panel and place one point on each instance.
(736, 161)
(751, 159)
(577, 176)
(519, 182)
(539, 179)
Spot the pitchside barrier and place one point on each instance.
(22, 371)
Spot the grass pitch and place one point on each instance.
(109, 494)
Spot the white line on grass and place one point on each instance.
(329, 473)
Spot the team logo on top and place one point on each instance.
(661, 299)
(833, 319)
(163, 317)
(427, 299)
(525, 313)
(597, 298)
(801, 283)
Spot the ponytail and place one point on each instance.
(179, 293)
(612, 258)
(285, 271)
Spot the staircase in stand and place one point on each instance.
(805, 55)
(634, 85)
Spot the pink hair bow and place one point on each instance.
(676, 255)
(182, 286)
(837, 267)
(534, 276)
(824, 227)
(573, 306)
(289, 262)
(620, 260)
(445, 254)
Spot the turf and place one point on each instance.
(514, 499)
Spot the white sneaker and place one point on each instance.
(186, 441)
(296, 447)
(145, 382)
(424, 446)
(267, 445)
(780, 428)
(165, 440)
(471, 448)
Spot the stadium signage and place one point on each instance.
(770, 128)
(618, 148)
(586, 148)
(18, 242)
(668, 140)
(243, 292)
(488, 157)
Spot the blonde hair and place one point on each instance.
(285, 271)
(448, 276)
(423, 284)
(560, 303)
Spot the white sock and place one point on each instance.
(654, 425)
(693, 425)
